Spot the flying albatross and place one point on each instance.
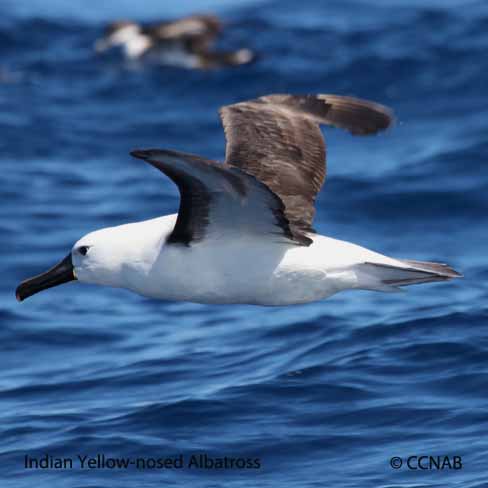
(187, 42)
(243, 232)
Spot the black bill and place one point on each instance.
(59, 274)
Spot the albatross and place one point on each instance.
(187, 42)
(243, 232)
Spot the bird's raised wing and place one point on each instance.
(196, 30)
(217, 200)
(275, 165)
(277, 139)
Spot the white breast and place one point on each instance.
(245, 268)
(241, 270)
(136, 46)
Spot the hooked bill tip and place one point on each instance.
(57, 275)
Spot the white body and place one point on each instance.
(170, 54)
(130, 37)
(137, 46)
(241, 269)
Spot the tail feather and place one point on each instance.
(412, 273)
(439, 268)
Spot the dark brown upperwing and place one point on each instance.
(278, 140)
(198, 31)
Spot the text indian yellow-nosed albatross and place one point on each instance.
(243, 232)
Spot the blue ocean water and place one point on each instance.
(323, 394)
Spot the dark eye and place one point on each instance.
(83, 250)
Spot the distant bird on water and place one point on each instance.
(243, 232)
(186, 42)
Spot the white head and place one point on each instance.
(100, 257)
(115, 256)
(122, 33)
